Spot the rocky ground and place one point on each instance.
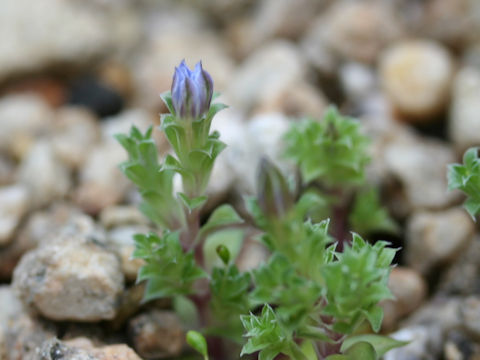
(74, 73)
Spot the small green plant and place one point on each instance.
(466, 177)
(332, 155)
(312, 297)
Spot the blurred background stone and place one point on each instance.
(416, 76)
(435, 238)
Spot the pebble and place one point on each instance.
(7, 170)
(24, 335)
(76, 132)
(101, 183)
(83, 349)
(13, 206)
(38, 45)
(418, 166)
(451, 22)
(23, 118)
(437, 238)
(71, 278)
(464, 127)
(10, 305)
(409, 289)
(353, 30)
(463, 277)
(280, 19)
(424, 344)
(470, 315)
(121, 242)
(44, 175)
(120, 215)
(297, 101)
(416, 76)
(265, 74)
(358, 80)
(459, 346)
(156, 334)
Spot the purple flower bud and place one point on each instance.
(191, 91)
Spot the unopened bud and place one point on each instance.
(274, 196)
(223, 253)
(191, 91)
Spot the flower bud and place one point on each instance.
(191, 91)
(274, 196)
(223, 253)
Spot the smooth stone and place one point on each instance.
(24, 118)
(101, 183)
(351, 30)
(424, 344)
(464, 127)
(463, 276)
(409, 289)
(13, 206)
(416, 76)
(156, 334)
(25, 49)
(266, 73)
(418, 166)
(76, 131)
(437, 238)
(44, 175)
(122, 243)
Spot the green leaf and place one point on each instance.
(333, 151)
(356, 281)
(186, 311)
(265, 334)
(466, 177)
(222, 217)
(381, 344)
(278, 283)
(308, 350)
(194, 203)
(368, 215)
(229, 291)
(154, 183)
(255, 211)
(168, 270)
(198, 342)
(375, 316)
(361, 351)
(167, 99)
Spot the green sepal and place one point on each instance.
(381, 344)
(194, 203)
